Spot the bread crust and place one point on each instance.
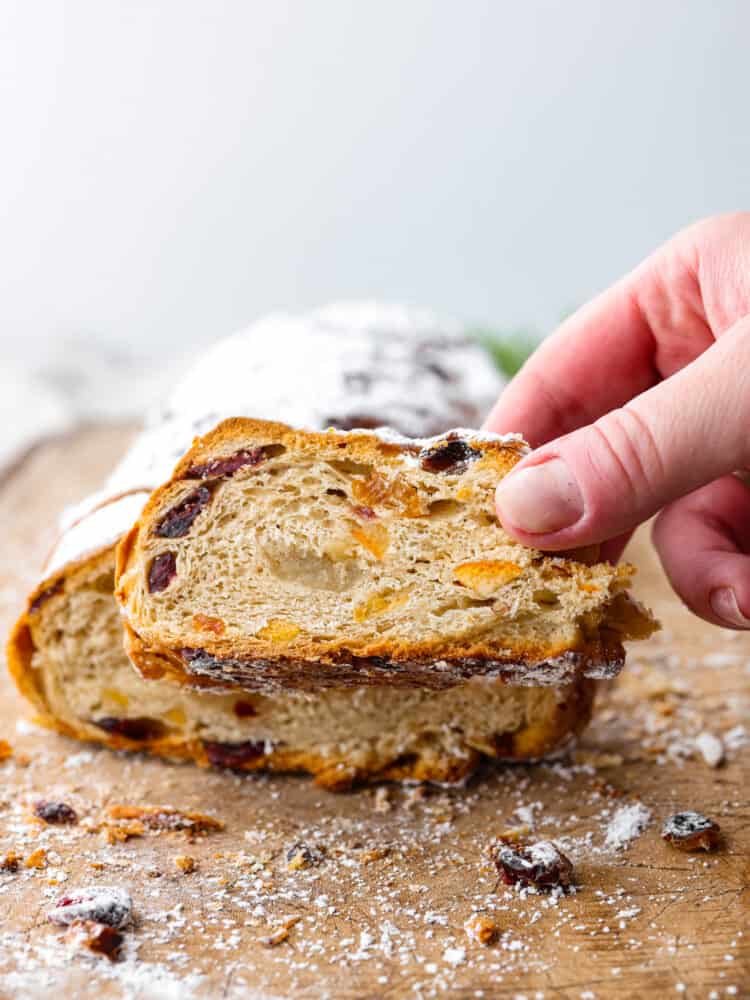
(310, 663)
(199, 668)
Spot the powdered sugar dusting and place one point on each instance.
(627, 823)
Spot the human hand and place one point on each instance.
(640, 403)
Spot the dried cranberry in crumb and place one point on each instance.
(104, 904)
(228, 466)
(178, 521)
(234, 754)
(691, 831)
(161, 572)
(364, 513)
(58, 813)
(244, 709)
(132, 729)
(452, 455)
(542, 865)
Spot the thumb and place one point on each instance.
(603, 480)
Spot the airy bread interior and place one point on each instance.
(67, 656)
(271, 546)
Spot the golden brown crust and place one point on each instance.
(20, 645)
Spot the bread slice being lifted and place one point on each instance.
(277, 558)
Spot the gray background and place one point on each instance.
(170, 170)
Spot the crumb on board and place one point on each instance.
(185, 863)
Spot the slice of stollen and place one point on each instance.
(277, 558)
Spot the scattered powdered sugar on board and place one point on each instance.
(626, 824)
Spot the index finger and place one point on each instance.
(644, 327)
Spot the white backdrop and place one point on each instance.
(171, 169)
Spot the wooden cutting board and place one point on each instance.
(383, 914)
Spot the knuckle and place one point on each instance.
(626, 452)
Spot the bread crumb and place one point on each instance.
(382, 802)
(38, 859)
(10, 862)
(185, 863)
(596, 759)
(481, 929)
(281, 933)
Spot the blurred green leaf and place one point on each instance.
(509, 349)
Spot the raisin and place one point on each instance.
(161, 572)
(132, 729)
(227, 466)
(179, 520)
(452, 455)
(542, 865)
(234, 755)
(103, 904)
(45, 595)
(691, 831)
(57, 813)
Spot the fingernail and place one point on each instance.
(724, 605)
(540, 499)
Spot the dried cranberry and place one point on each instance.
(103, 904)
(542, 865)
(452, 455)
(229, 465)
(234, 755)
(244, 709)
(161, 572)
(179, 520)
(691, 831)
(45, 595)
(58, 813)
(132, 729)
(364, 513)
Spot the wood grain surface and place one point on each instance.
(382, 913)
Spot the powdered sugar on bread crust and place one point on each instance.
(348, 365)
(96, 529)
